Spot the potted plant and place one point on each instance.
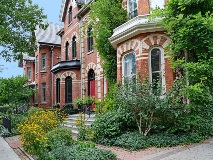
(79, 102)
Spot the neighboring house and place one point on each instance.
(140, 45)
(79, 73)
(66, 66)
(37, 68)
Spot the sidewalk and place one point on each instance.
(6, 152)
(198, 151)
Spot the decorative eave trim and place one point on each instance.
(133, 27)
(62, 11)
(83, 10)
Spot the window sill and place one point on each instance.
(43, 71)
(90, 52)
(43, 103)
(69, 24)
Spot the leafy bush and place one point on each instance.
(83, 151)
(4, 109)
(35, 126)
(110, 124)
(135, 141)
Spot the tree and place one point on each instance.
(106, 15)
(18, 20)
(13, 92)
(189, 25)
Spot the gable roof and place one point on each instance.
(48, 36)
(64, 7)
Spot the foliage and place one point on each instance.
(18, 20)
(13, 92)
(99, 107)
(110, 15)
(111, 124)
(136, 141)
(4, 132)
(34, 128)
(189, 25)
(79, 150)
(4, 108)
(88, 101)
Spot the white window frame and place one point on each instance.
(130, 12)
(43, 92)
(29, 72)
(123, 67)
(162, 67)
(36, 63)
(43, 62)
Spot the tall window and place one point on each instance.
(36, 93)
(67, 51)
(70, 14)
(90, 39)
(74, 47)
(68, 90)
(36, 63)
(43, 62)
(58, 90)
(133, 8)
(129, 67)
(156, 68)
(43, 92)
(28, 73)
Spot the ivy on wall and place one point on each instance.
(105, 16)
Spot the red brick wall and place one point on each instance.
(148, 40)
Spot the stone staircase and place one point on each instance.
(71, 121)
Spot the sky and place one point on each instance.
(52, 10)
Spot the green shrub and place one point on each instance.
(109, 125)
(79, 151)
(135, 141)
(4, 109)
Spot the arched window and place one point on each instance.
(156, 68)
(74, 47)
(58, 90)
(129, 67)
(133, 8)
(67, 51)
(89, 39)
(70, 14)
(68, 90)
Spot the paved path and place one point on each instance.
(6, 152)
(202, 151)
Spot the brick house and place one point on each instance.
(140, 45)
(79, 73)
(73, 67)
(38, 68)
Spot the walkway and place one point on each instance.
(6, 152)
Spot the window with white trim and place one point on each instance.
(43, 92)
(89, 39)
(156, 68)
(43, 62)
(28, 73)
(133, 8)
(74, 49)
(129, 66)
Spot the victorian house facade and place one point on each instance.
(141, 43)
(66, 66)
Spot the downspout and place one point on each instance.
(51, 86)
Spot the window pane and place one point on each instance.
(133, 8)
(67, 51)
(129, 62)
(155, 59)
(43, 62)
(43, 92)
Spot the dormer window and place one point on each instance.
(70, 15)
(133, 8)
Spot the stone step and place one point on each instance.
(71, 120)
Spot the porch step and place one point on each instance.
(70, 122)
